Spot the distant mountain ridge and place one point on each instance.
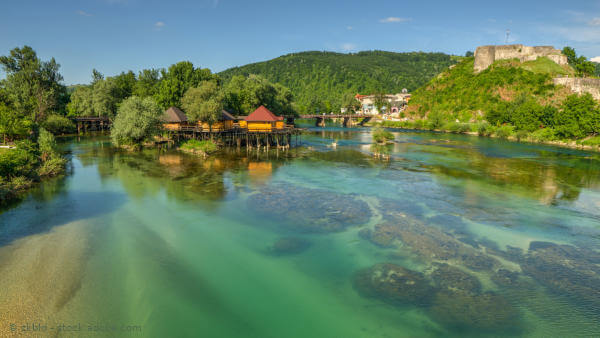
(320, 79)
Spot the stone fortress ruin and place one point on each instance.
(485, 56)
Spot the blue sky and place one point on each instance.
(117, 35)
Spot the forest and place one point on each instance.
(319, 80)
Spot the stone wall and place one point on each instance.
(580, 85)
(486, 55)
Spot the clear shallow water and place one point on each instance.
(482, 237)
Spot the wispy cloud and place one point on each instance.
(594, 22)
(596, 59)
(348, 47)
(394, 19)
(215, 3)
(83, 13)
(159, 25)
(349, 28)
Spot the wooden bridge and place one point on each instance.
(348, 119)
(91, 123)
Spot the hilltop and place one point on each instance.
(463, 94)
(320, 79)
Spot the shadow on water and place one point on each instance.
(38, 215)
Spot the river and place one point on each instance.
(446, 235)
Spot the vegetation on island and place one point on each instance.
(204, 147)
(137, 120)
(320, 80)
(32, 97)
(510, 99)
(382, 136)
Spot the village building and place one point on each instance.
(174, 118)
(262, 119)
(396, 101)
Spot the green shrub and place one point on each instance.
(381, 135)
(57, 125)
(47, 144)
(504, 131)
(482, 128)
(521, 135)
(21, 161)
(53, 166)
(544, 134)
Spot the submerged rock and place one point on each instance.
(447, 277)
(310, 210)
(566, 270)
(289, 246)
(384, 235)
(394, 284)
(464, 310)
(506, 278)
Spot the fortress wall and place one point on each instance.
(580, 85)
(486, 55)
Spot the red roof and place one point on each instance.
(262, 114)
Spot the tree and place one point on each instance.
(579, 117)
(579, 63)
(469, 54)
(178, 79)
(379, 101)
(81, 103)
(11, 124)
(147, 83)
(105, 98)
(569, 52)
(137, 120)
(96, 76)
(204, 103)
(244, 94)
(350, 103)
(32, 86)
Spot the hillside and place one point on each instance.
(322, 78)
(460, 93)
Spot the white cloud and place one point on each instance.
(348, 47)
(349, 28)
(393, 19)
(594, 22)
(596, 59)
(159, 25)
(83, 13)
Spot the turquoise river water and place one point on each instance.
(437, 235)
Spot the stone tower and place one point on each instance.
(486, 55)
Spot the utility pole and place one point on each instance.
(507, 36)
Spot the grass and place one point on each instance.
(206, 146)
(544, 65)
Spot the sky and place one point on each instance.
(119, 35)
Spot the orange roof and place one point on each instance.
(262, 114)
(358, 96)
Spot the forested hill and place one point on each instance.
(322, 78)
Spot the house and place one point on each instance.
(225, 122)
(396, 101)
(173, 119)
(262, 119)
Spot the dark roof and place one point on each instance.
(174, 115)
(226, 116)
(262, 114)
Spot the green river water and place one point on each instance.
(481, 238)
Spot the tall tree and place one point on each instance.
(204, 103)
(137, 120)
(82, 102)
(350, 103)
(178, 79)
(147, 83)
(244, 94)
(33, 86)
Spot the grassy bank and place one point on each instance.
(507, 132)
(203, 148)
(27, 164)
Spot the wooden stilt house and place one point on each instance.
(174, 119)
(262, 119)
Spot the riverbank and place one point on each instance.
(503, 132)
